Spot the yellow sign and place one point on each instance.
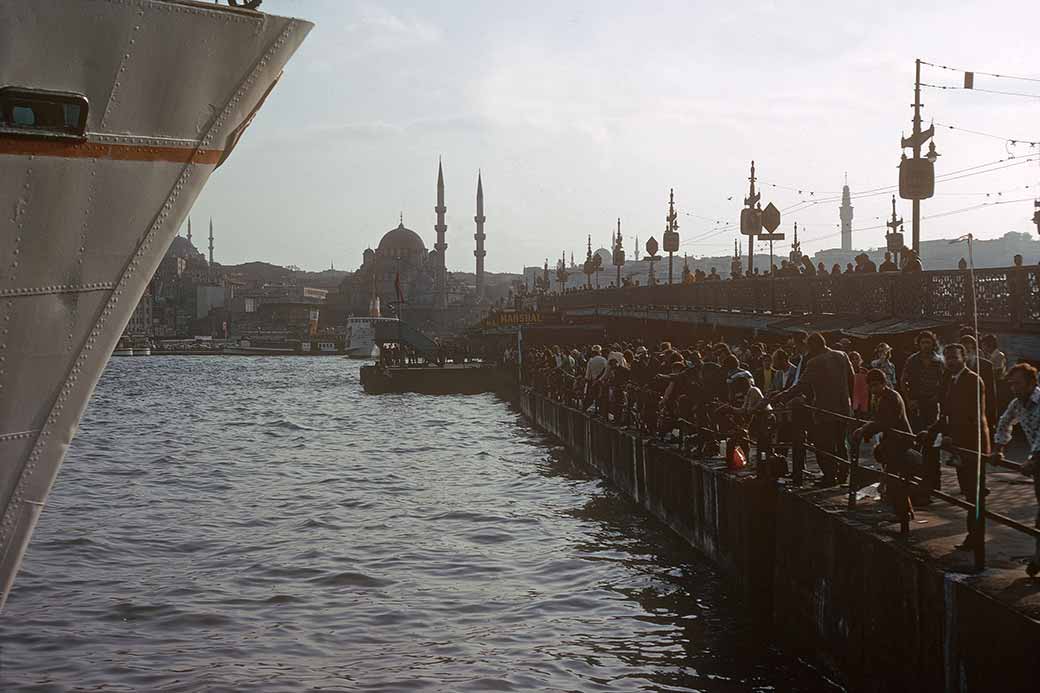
(511, 318)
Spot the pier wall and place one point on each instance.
(876, 614)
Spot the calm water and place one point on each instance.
(261, 524)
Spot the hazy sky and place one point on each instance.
(582, 112)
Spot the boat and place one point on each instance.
(113, 114)
(361, 337)
(123, 347)
(141, 346)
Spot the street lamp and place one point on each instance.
(619, 253)
(671, 235)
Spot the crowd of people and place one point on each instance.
(941, 402)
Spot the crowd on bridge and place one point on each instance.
(951, 401)
(795, 266)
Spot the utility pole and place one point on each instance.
(917, 152)
(917, 175)
(751, 219)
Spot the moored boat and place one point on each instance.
(123, 347)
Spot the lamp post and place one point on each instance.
(562, 274)
(671, 234)
(894, 238)
(589, 267)
(619, 253)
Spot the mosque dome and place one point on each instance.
(401, 241)
(606, 255)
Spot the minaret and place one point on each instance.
(441, 281)
(845, 211)
(189, 230)
(211, 241)
(479, 237)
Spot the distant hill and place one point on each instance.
(268, 273)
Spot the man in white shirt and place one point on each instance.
(1024, 410)
(597, 364)
(595, 369)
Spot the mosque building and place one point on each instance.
(409, 280)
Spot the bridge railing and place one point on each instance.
(1007, 297)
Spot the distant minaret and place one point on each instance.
(479, 236)
(211, 241)
(189, 230)
(845, 211)
(441, 283)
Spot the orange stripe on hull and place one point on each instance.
(107, 150)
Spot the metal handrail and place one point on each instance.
(910, 481)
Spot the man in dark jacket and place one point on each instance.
(891, 422)
(826, 375)
(921, 384)
(963, 425)
(984, 367)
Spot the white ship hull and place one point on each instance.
(170, 86)
(361, 337)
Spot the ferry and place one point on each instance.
(361, 337)
(113, 114)
(141, 346)
(124, 347)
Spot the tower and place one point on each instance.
(189, 230)
(211, 241)
(479, 236)
(441, 280)
(845, 211)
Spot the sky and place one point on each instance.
(578, 113)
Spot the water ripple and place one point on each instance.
(228, 524)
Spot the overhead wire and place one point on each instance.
(1012, 140)
(946, 87)
(978, 72)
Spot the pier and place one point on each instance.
(836, 586)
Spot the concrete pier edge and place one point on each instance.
(877, 615)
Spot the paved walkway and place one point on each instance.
(937, 528)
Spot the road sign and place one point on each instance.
(750, 221)
(651, 246)
(767, 237)
(771, 218)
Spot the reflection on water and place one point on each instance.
(234, 523)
